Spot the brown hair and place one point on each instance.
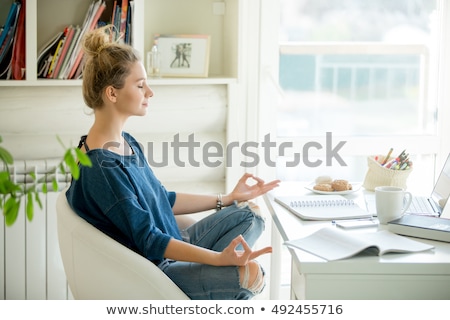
(107, 63)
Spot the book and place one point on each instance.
(5, 65)
(420, 226)
(115, 20)
(46, 53)
(12, 14)
(129, 32)
(68, 40)
(55, 57)
(18, 63)
(63, 74)
(123, 20)
(113, 14)
(331, 243)
(8, 34)
(94, 12)
(323, 207)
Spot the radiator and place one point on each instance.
(30, 264)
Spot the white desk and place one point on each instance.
(424, 275)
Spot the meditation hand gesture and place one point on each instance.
(244, 192)
(231, 256)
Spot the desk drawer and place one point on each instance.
(370, 287)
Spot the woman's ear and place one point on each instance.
(111, 93)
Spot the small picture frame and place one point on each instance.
(184, 55)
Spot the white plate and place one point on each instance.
(355, 187)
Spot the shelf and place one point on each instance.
(40, 83)
(191, 81)
(151, 17)
(153, 82)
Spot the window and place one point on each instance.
(365, 72)
(340, 67)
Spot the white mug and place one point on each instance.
(391, 203)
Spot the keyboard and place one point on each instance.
(420, 205)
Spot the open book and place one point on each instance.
(323, 207)
(330, 243)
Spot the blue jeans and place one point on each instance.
(215, 232)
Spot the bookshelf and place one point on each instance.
(211, 106)
(220, 19)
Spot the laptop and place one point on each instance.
(446, 212)
(434, 204)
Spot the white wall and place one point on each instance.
(31, 118)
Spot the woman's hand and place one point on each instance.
(231, 256)
(184, 251)
(244, 192)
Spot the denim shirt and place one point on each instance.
(121, 196)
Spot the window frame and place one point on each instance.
(437, 145)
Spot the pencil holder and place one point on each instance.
(377, 175)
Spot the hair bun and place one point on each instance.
(101, 47)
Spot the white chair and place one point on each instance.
(99, 268)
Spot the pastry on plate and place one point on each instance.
(341, 185)
(323, 187)
(324, 179)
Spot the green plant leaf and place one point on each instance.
(32, 175)
(30, 206)
(60, 142)
(11, 210)
(71, 163)
(4, 180)
(12, 193)
(5, 156)
(38, 199)
(55, 184)
(62, 168)
(83, 158)
(6, 185)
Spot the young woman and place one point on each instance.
(121, 196)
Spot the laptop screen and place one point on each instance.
(441, 190)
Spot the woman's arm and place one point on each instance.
(192, 203)
(183, 251)
(189, 203)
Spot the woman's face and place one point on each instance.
(132, 99)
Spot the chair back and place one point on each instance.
(99, 268)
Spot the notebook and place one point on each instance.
(433, 205)
(323, 207)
